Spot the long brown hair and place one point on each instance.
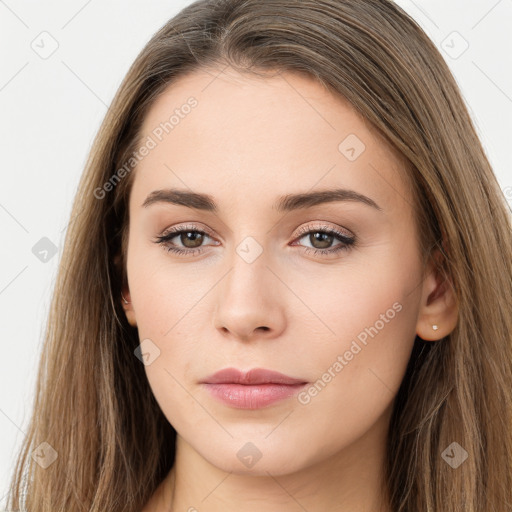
(93, 404)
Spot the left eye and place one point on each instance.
(321, 239)
(192, 240)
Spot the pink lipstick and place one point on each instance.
(254, 389)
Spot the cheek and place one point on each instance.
(159, 292)
(375, 289)
(372, 309)
(163, 320)
(158, 305)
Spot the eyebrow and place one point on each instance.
(285, 203)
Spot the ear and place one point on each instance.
(125, 298)
(126, 301)
(438, 305)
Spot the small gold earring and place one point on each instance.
(125, 301)
(435, 327)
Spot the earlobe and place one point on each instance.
(125, 298)
(128, 308)
(438, 314)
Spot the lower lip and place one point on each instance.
(252, 396)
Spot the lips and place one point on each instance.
(252, 377)
(251, 390)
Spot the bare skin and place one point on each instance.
(289, 309)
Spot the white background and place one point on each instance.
(51, 109)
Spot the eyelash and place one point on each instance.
(346, 242)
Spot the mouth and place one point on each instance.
(251, 390)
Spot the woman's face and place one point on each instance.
(324, 291)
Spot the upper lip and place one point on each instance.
(254, 376)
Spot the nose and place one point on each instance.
(249, 304)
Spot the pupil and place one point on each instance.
(324, 238)
(191, 237)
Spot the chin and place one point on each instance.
(256, 457)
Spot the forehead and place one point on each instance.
(216, 128)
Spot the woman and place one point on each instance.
(286, 282)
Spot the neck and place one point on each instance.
(350, 480)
